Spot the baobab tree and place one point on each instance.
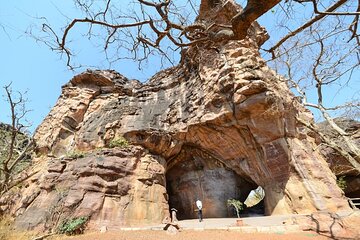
(151, 24)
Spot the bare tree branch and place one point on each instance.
(306, 25)
(253, 10)
(156, 18)
(13, 151)
(331, 13)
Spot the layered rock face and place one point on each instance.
(215, 127)
(338, 164)
(114, 187)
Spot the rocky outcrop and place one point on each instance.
(117, 187)
(338, 163)
(216, 126)
(332, 225)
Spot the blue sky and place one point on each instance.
(27, 64)
(33, 67)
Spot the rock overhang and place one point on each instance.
(231, 107)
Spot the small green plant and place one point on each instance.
(75, 154)
(73, 226)
(119, 142)
(237, 205)
(341, 182)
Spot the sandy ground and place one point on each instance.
(191, 235)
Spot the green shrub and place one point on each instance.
(119, 142)
(341, 182)
(73, 226)
(236, 204)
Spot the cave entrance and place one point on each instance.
(193, 175)
(351, 187)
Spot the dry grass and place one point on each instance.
(7, 233)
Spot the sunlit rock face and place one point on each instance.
(214, 132)
(339, 164)
(115, 187)
(216, 126)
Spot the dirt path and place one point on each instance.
(192, 235)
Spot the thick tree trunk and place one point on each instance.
(253, 10)
(242, 21)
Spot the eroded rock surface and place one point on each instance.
(332, 225)
(339, 164)
(115, 187)
(216, 126)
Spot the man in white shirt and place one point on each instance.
(199, 206)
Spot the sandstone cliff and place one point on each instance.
(338, 164)
(215, 127)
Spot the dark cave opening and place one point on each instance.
(194, 175)
(351, 188)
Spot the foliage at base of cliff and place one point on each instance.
(21, 141)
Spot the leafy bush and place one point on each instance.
(341, 182)
(73, 226)
(119, 142)
(236, 204)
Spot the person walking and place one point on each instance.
(199, 206)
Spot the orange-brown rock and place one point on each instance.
(116, 187)
(216, 126)
(338, 163)
(332, 225)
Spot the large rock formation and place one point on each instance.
(339, 165)
(216, 126)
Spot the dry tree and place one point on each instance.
(15, 144)
(319, 48)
